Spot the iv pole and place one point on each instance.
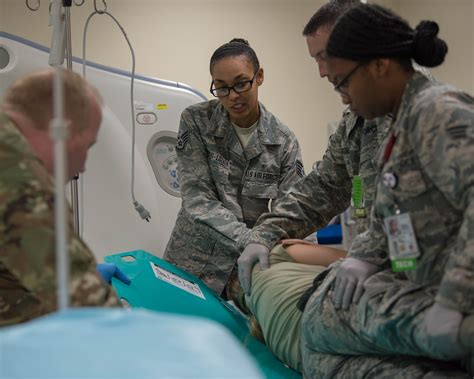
(59, 134)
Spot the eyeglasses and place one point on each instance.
(238, 88)
(343, 85)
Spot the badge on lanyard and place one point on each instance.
(358, 196)
(389, 179)
(402, 244)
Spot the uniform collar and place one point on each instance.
(11, 135)
(412, 88)
(352, 120)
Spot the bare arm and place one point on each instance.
(314, 254)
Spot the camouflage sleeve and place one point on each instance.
(446, 152)
(28, 249)
(371, 245)
(312, 201)
(198, 191)
(291, 169)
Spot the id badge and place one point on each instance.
(402, 245)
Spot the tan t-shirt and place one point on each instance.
(244, 134)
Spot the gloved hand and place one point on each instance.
(441, 325)
(350, 281)
(108, 270)
(252, 253)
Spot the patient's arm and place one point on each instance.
(294, 241)
(314, 254)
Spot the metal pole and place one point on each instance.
(74, 181)
(58, 132)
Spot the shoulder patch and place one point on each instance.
(299, 168)
(457, 131)
(470, 131)
(182, 140)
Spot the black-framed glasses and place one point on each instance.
(343, 85)
(238, 88)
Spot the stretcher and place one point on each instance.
(160, 286)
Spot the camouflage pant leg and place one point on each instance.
(385, 321)
(327, 366)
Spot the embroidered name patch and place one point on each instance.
(220, 160)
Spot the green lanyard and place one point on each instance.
(358, 196)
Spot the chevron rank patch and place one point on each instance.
(182, 140)
(457, 132)
(299, 168)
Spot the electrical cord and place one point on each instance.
(142, 211)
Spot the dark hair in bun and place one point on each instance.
(235, 48)
(369, 31)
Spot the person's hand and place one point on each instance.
(441, 325)
(350, 281)
(109, 270)
(294, 241)
(252, 253)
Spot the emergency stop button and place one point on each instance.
(146, 118)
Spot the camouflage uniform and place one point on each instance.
(326, 191)
(432, 163)
(225, 187)
(27, 244)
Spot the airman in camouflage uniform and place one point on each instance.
(326, 191)
(432, 159)
(226, 187)
(27, 239)
(432, 173)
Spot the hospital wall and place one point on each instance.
(174, 39)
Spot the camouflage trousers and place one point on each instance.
(378, 337)
(321, 365)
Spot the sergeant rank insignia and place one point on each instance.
(182, 140)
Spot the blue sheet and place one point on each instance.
(100, 343)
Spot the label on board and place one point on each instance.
(177, 281)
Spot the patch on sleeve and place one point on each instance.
(299, 168)
(470, 131)
(457, 132)
(182, 140)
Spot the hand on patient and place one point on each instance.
(441, 325)
(252, 253)
(109, 270)
(350, 281)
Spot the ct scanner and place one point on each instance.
(139, 343)
(109, 221)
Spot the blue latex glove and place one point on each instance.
(109, 270)
(441, 325)
(350, 281)
(252, 253)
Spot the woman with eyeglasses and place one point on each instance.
(234, 159)
(406, 288)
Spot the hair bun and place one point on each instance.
(427, 28)
(428, 49)
(239, 40)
